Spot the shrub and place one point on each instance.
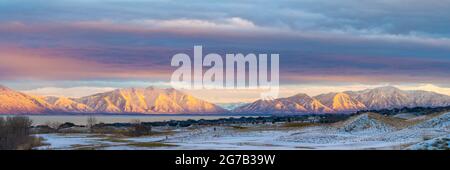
(15, 133)
(139, 129)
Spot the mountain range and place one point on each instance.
(344, 102)
(153, 100)
(132, 100)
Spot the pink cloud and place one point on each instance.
(17, 62)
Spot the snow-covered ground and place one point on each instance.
(58, 141)
(361, 132)
(86, 141)
(439, 143)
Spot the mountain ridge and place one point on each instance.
(300, 103)
(17, 102)
(340, 102)
(148, 100)
(153, 100)
(387, 97)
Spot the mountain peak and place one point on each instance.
(160, 100)
(299, 103)
(13, 102)
(341, 96)
(340, 102)
(300, 95)
(387, 88)
(148, 100)
(64, 104)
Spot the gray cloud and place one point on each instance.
(407, 40)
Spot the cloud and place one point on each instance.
(232, 27)
(234, 23)
(319, 41)
(72, 92)
(391, 16)
(427, 87)
(25, 63)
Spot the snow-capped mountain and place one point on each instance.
(133, 100)
(170, 101)
(148, 100)
(300, 103)
(12, 102)
(63, 104)
(340, 102)
(391, 97)
(349, 101)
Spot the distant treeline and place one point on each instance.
(138, 128)
(317, 118)
(309, 118)
(415, 110)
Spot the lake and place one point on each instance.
(81, 119)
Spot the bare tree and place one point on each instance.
(15, 133)
(136, 122)
(91, 122)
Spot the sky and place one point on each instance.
(79, 47)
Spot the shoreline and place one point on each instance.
(202, 120)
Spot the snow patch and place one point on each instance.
(364, 123)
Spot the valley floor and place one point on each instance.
(361, 132)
